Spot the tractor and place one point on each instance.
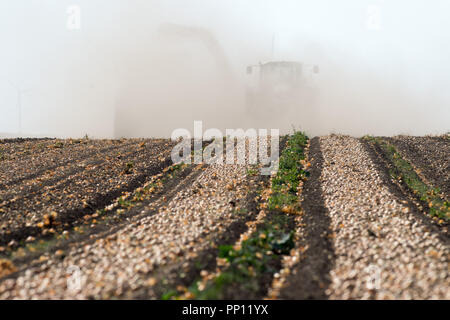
(279, 85)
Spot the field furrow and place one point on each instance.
(45, 160)
(91, 186)
(430, 156)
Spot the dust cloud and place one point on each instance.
(135, 68)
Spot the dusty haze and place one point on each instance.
(144, 68)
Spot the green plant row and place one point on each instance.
(404, 171)
(290, 173)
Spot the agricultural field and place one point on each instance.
(342, 218)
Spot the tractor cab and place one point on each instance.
(272, 74)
